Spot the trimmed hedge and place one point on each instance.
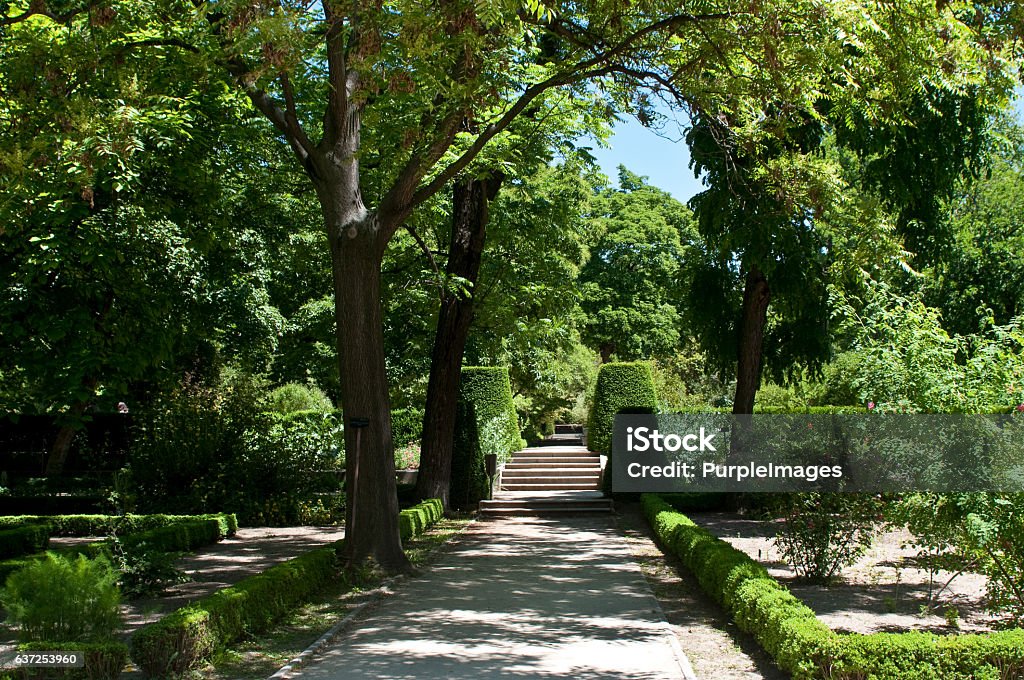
(485, 422)
(804, 646)
(187, 637)
(620, 387)
(415, 520)
(24, 540)
(180, 537)
(103, 660)
(406, 425)
(98, 525)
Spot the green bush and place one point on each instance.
(179, 537)
(292, 397)
(406, 426)
(801, 644)
(822, 533)
(103, 660)
(99, 525)
(485, 423)
(24, 540)
(217, 448)
(620, 386)
(415, 520)
(64, 600)
(187, 637)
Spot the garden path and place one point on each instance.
(522, 597)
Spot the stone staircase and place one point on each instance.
(558, 476)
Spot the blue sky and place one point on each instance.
(664, 159)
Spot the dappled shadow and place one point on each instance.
(523, 598)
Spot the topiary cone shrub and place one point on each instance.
(621, 387)
(485, 422)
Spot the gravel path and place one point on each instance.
(523, 597)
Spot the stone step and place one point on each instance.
(543, 506)
(544, 463)
(568, 428)
(563, 484)
(517, 473)
(588, 460)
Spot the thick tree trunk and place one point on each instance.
(756, 296)
(61, 448)
(470, 198)
(371, 529)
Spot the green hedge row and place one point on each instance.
(406, 425)
(620, 387)
(415, 520)
(193, 532)
(804, 646)
(98, 525)
(24, 540)
(103, 660)
(486, 422)
(187, 637)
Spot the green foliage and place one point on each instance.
(144, 570)
(686, 380)
(620, 386)
(982, 530)
(103, 660)
(99, 525)
(187, 637)
(24, 540)
(206, 448)
(406, 426)
(415, 520)
(293, 397)
(485, 423)
(639, 229)
(821, 533)
(59, 599)
(902, 358)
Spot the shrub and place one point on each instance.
(61, 600)
(485, 423)
(24, 540)
(103, 660)
(620, 386)
(406, 426)
(187, 637)
(144, 571)
(99, 525)
(415, 520)
(821, 533)
(292, 397)
(205, 449)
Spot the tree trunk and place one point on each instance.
(756, 296)
(66, 434)
(470, 198)
(371, 528)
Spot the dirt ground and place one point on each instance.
(883, 592)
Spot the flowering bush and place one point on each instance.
(407, 457)
(821, 533)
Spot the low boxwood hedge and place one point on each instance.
(415, 520)
(99, 525)
(103, 661)
(24, 540)
(804, 646)
(187, 637)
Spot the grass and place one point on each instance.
(263, 655)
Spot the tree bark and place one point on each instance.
(470, 214)
(756, 296)
(61, 447)
(371, 528)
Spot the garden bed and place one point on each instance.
(884, 591)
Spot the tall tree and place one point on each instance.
(338, 79)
